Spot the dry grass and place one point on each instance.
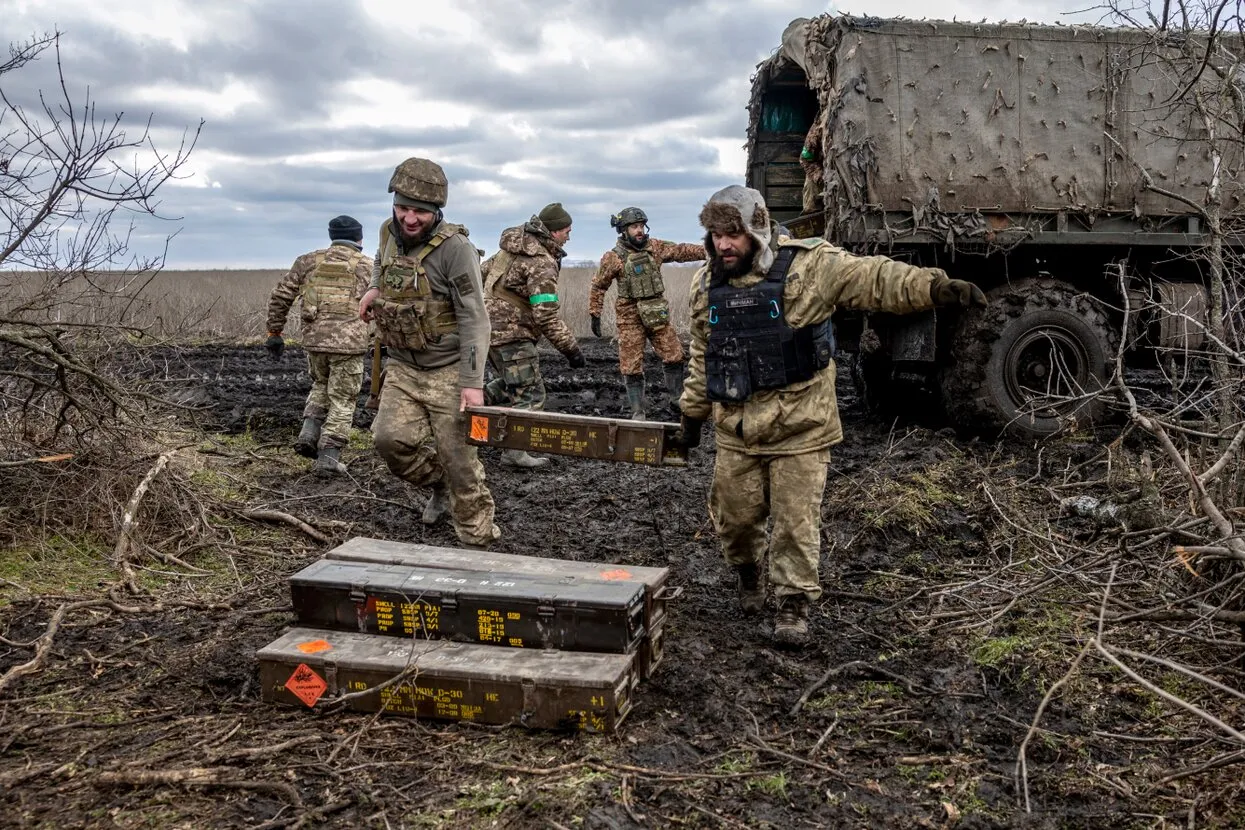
(228, 305)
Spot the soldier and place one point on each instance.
(641, 311)
(328, 284)
(767, 379)
(427, 299)
(812, 160)
(521, 293)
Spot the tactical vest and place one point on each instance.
(751, 347)
(641, 274)
(330, 290)
(408, 314)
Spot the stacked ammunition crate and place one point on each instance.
(469, 635)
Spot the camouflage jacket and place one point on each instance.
(453, 274)
(611, 266)
(804, 416)
(521, 288)
(330, 318)
(814, 165)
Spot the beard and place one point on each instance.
(720, 272)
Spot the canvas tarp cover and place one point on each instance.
(944, 118)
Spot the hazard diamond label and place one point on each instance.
(479, 428)
(306, 685)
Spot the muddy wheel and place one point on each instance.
(1030, 362)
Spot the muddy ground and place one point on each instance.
(907, 710)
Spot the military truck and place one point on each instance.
(1013, 155)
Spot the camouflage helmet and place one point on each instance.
(627, 216)
(420, 180)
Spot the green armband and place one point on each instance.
(537, 299)
(806, 154)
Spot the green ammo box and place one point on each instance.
(583, 436)
(446, 680)
(515, 610)
(657, 591)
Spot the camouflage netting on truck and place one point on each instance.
(955, 132)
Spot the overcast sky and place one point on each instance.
(309, 105)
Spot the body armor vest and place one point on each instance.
(751, 347)
(641, 274)
(330, 290)
(408, 314)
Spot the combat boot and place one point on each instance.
(521, 459)
(438, 505)
(635, 396)
(791, 621)
(328, 462)
(751, 591)
(307, 441)
(674, 384)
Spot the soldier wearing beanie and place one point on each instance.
(641, 311)
(521, 291)
(427, 299)
(774, 427)
(328, 284)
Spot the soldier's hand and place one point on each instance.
(470, 397)
(945, 291)
(576, 359)
(275, 344)
(688, 435)
(366, 312)
(596, 325)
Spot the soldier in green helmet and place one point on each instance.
(427, 299)
(641, 311)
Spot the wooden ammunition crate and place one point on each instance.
(450, 681)
(516, 610)
(583, 436)
(657, 591)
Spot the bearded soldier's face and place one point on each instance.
(637, 232)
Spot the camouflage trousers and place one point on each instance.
(631, 337)
(748, 490)
(335, 383)
(518, 383)
(421, 436)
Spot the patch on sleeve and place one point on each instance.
(464, 284)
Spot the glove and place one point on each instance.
(945, 291)
(688, 436)
(596, 325)
(576, 359)
(275, 344)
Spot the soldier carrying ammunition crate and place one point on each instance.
(521, 294)
(328, 284)
(427, 299)
(641, 311)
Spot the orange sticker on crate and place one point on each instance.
(479, 428)
(306, 685)
(616, 574)
(314, 646)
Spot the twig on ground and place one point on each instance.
(278, 516)
(121, 553)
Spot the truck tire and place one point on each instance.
(1016, 364)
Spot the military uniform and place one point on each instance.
(761, 368)
(328, 285)
(521, 294)
(812, 160)
(430, 314)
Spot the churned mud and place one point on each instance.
(907, 709)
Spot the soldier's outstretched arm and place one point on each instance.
(677, 251)
(865, 283)
(609, 270)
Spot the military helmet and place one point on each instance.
(627, 216)
(421, 180)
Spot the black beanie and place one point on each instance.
(554, 217)
(345, 227)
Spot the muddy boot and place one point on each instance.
(307, 441)
(791, 621)
(635, 396)
(674, 385)
(751, 591)
(521, 460)
(328, 462)
(438, 505)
